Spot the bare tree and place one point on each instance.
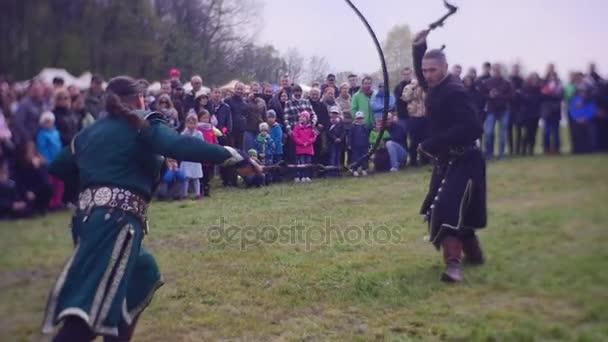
(294, 64)
(317, 69)
(398, 50)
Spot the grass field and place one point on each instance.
(366, 275)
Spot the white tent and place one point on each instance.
(82, 82)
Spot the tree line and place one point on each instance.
(145, 38)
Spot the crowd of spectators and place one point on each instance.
(332, 124)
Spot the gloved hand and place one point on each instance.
(245, 166)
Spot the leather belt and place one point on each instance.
(113, 198)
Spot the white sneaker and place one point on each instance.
(363, 173)
(307, 179)
(297, 180)
(394, 169)
(355, 174)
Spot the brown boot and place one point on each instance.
(472, 251)
(452, 251)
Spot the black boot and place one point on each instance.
(125, 333)
(74, 329)
(472, 251)
(206, 190)
(452, 251)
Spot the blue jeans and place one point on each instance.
(489, 125)
(396, 153)
(335, 154)
(303, 159)
(551, 131)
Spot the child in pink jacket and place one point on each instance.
(304, 136)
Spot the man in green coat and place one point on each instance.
(361, 101)
(116, 163)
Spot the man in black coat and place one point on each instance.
(456, 203)
(402, 113)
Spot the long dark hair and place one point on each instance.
(123, 89)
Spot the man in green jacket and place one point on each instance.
(361, 101)
(116, 163)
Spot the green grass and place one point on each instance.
(545, 278)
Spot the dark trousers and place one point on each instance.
(336, 156)
(529, 140)
(303, 159)
(583, 137)
(601, 125)
(551, 136)
(358, 153)
(418, 129)
(208, 173)
(229, 175)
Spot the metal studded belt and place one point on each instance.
(113, 198)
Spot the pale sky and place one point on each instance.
(568, 33)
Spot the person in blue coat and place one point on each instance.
(376, 103)
(583, 111)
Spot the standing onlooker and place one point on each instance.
(531, 109)
(361, 101)
(475, 94)
(276, 133)
(267, 94)
(359, 143)
(222, 113)
(553, 93)
(293, 108)
(414, 95)
(322, 124)
(209, 135)
(190, 99)
(28, 114)
(239, 109)
(304, 137)
(498, 92)
(85, 119)
(402, 113)
(583, 111)
(32, 177)
(256, 114)
(376, 103)
(12, 201)
(165, 107)
(515, 120)
(353, 81)
(336, 138)
(193, 172)
(67, 122)
(93, 101)
(264, 145)
(177, 97)
(346, 105)
(49, 145)
(296, 105)
(480, 85)
(286, 85)
(601, 121)
(331, 83)
(278, 104)
(457, 71)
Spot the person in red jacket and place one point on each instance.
(304, 136)
(209, 134)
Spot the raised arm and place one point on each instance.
(419, 48)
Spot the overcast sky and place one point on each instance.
(567, 32)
